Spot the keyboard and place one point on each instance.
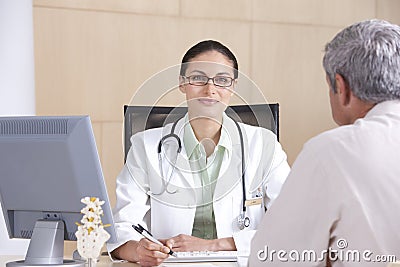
(202, 256)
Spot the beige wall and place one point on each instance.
(92, 55)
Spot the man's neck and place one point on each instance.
(359, 109)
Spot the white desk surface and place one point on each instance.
(106, 262)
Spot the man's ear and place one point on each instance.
(182, 87)
(343, 89)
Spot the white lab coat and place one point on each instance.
(167, 215)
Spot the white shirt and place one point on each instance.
(141, 199)
(343, 193)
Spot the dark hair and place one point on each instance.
(205, 46)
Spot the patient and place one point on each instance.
(343, 192)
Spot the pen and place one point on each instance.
(146, 234)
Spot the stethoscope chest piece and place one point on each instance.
(243, 221)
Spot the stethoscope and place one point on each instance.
(242, 220)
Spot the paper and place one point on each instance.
(197, 264)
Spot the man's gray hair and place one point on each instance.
(367, 56)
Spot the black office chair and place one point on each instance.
(140, 118)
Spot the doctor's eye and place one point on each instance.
(222, 81)
(198, 79)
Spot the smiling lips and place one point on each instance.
(207, 101)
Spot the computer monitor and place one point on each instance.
(47, 165)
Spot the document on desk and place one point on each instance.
(203, 264)
(204, 256)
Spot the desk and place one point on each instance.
(106, 262)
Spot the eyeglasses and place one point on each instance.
(201, 80)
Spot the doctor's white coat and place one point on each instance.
(142, 196)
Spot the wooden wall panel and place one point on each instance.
(91, 57)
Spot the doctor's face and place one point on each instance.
(208, 84)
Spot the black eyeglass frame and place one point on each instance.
(210, 78)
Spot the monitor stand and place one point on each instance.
(46, 247)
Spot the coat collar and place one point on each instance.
(386, 107)
(231, 165)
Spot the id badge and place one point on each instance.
(253, 201)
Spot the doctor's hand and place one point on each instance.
(190, 243)
(150, 253)
(144, 251)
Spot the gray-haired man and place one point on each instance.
(340, 205)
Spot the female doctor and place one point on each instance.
(184, 182)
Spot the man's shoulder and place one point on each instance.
(332, 138)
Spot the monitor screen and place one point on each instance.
(48, 164)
